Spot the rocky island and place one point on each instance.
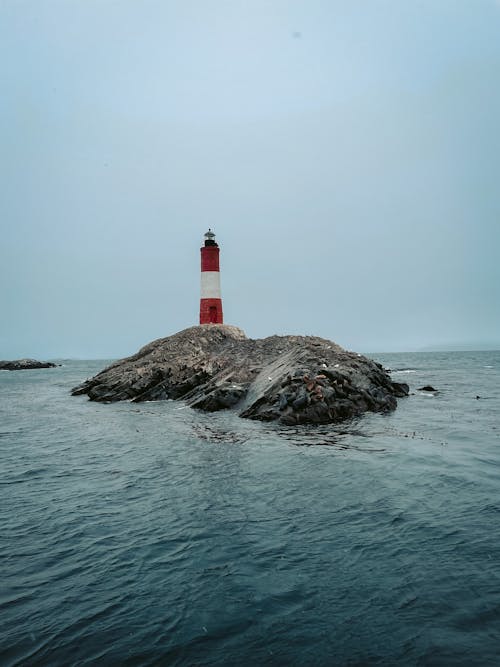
(24, 365)
(290, 379)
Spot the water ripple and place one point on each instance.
(148, 535)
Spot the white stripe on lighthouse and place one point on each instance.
(210, 285)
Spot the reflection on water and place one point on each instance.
(214, 434)
(337, 436)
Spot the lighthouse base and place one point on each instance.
(211, 311)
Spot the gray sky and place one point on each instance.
(346, 153)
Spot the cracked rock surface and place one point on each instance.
(290, 379)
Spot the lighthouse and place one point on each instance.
(210, 301)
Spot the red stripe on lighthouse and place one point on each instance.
(210, 258)
(211, 311)
(210, 298)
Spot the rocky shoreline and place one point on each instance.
(24, 365)
(289, 379)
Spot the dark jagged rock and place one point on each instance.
(24, 365)
(290, 379)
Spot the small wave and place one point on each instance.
(403, 370)
(494, 509)
(12, 600)
(408, 602)
(205, 432)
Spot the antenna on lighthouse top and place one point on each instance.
(210, 238)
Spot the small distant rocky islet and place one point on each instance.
(24, 365)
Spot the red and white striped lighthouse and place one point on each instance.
(210, 301)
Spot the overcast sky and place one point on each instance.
(346, 153)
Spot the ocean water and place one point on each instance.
(150, 534)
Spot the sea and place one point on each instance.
(152, 534)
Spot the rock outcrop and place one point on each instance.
(24, 365)
(290, 379)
